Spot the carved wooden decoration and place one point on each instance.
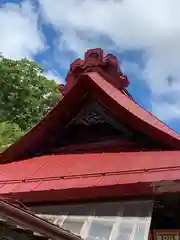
(96, 60)
(98, 114)
(91, 115)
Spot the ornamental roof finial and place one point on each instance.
(97, 60)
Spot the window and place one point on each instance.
(103, 221)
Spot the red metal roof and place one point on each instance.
(131, 106)
(120, 104)
(82, 176)
(105, 87)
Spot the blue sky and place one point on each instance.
(144, 35)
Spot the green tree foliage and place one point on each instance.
(9, 132)
(26, 95)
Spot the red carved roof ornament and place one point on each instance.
(96, 60)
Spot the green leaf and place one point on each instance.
(9, 132)
(26, 95)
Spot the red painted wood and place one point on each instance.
(58, 118)
(111, 146)
(96, 59)
(130, 112)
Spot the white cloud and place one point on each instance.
(131, 68)
(162, 110)
(19, 33)
(152, 26)
(53, 75)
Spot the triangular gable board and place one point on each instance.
(95, 129)
(96, 124)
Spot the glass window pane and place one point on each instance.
(125, 231)
(141, 231)
(73, 224)
(99, 230)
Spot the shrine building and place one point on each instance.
(98, 165)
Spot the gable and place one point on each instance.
(93, 124)
(97, 105)
(95, 129)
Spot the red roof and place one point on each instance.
(130, 108)
(101, 86)
(83, 176)
(74, 176)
